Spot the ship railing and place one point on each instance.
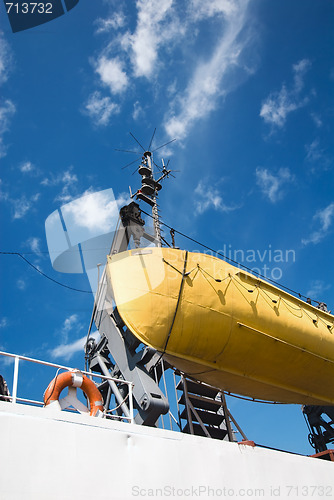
(14, 398)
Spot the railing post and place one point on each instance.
(130, 403)
(15, 378)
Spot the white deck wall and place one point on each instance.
(47, 455)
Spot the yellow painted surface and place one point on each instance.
(224, 326)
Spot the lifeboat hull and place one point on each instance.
(224, 326)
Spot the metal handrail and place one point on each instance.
(14, 398)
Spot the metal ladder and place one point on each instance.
(204, 410)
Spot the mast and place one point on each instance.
(149, 190)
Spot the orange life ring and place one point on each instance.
(71, 379)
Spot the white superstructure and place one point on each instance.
(52, 455)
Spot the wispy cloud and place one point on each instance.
(202, 10)
(137, 110)
(27, 167)
(271, 185)
(33, 244)
(317, 290)
(71, 325)
(3, 322)
(276, 108)
(111, 23)
(212, 78)
(21, 284)
(313, 152)
(156, 25)
(100, 109)
(67, 350)
(21, 206)
(67, 180)
(323, 219)
(208, 197)
(317, 120)
(162, 31)
(7, 107)
(317, 156)
(6, 59)
(7, 110)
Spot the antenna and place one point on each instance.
(148, 192)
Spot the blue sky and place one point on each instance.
(246, 88)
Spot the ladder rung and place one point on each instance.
(207, 417)
(214, 432)
(201, 402)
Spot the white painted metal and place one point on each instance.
(52, 455)
(72, 400)
(65, 402)
(15, 378)
(131, 404)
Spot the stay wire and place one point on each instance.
(43, 274)
(230, 260)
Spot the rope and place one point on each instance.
(232, 260)
(184, 274)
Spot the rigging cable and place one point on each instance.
(231, 260)
(43, 274)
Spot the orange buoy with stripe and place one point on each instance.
(74, 379)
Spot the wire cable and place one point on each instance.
(231, 260)
(43, 274)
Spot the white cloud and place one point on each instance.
(212, 78)
(323, 218)
(66, 351)
(20, 206)
(208, 197)
(27, 167)
(114, 22)
(317, 120)
(7, 110)
(300, 69)
(317, 289)
(71, 325)
(137, 110)
(5, 59)
(148, 49)
(200, 9)
(66, 177)
(112, 74)
(34, 244)
(4, 196)
(3, 322)
(272, 185)
(154, 28)
(68, 181)
(276, 108)
(100, 109)
(7, 107)
(95, 212)
(23, 205)
(313, 152)
(317, 156)
(21, 284)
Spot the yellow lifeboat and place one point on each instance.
(224, 326)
